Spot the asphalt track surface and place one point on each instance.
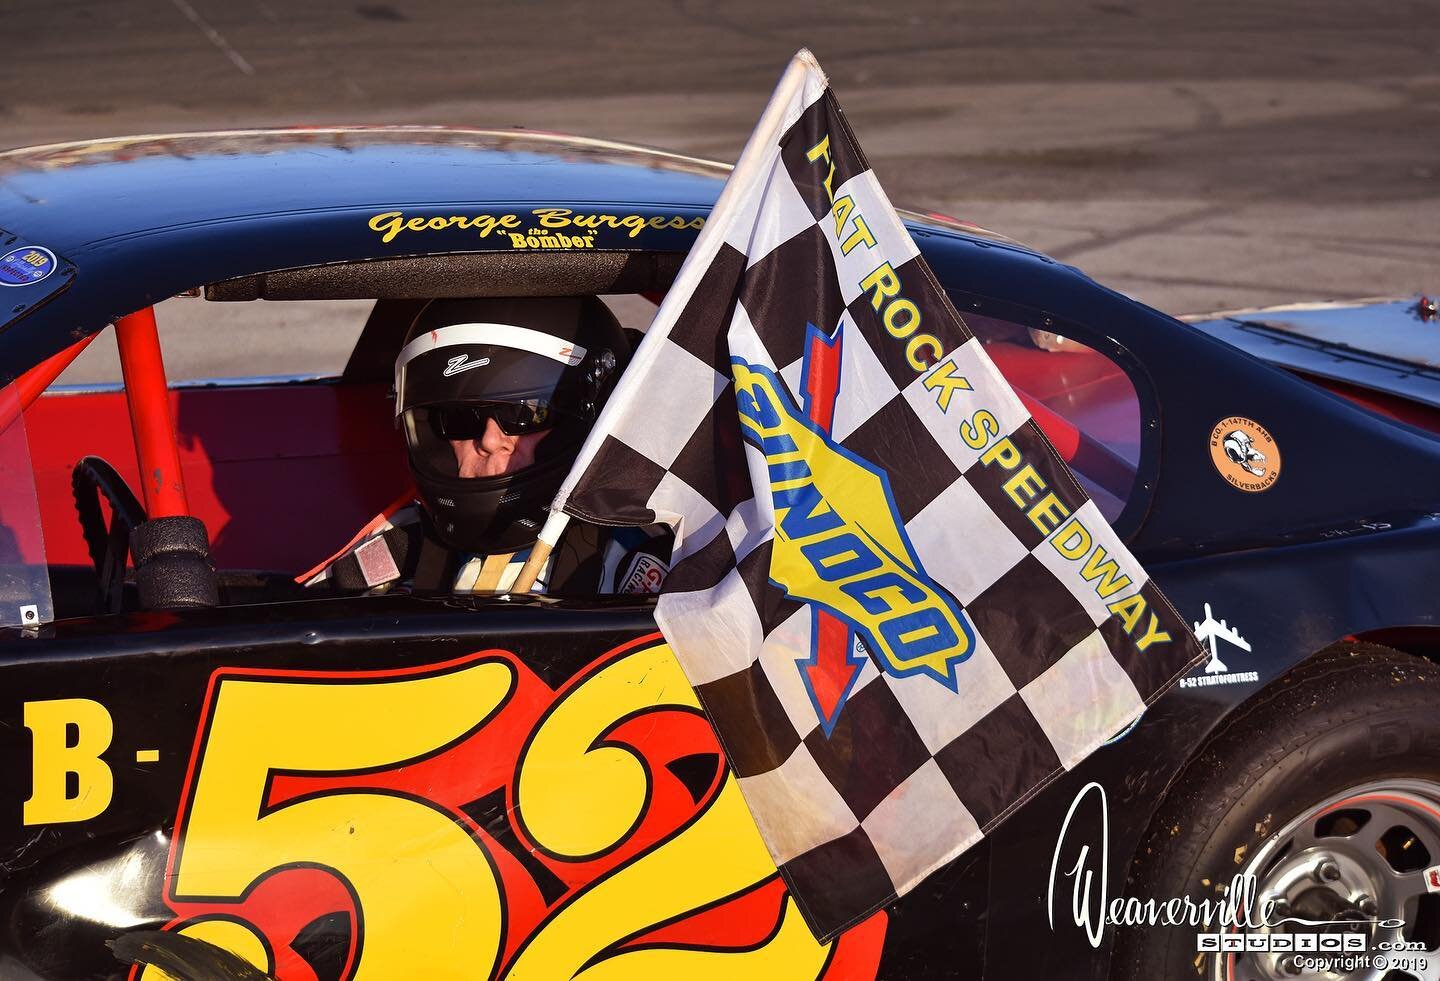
(1197, 156)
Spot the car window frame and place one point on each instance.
(1132, 515)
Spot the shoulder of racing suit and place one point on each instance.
(397, 550)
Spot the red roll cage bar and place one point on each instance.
(148, 398)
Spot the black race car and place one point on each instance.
(220, 772)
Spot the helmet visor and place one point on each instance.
(469, 420)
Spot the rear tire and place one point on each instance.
(1345, 749)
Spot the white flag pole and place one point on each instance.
(540, 554)
(752, 166)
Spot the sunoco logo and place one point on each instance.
(840, 544)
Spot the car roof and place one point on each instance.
(76, 195)
(158, 181)
(137, 219)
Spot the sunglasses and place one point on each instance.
(458, 422)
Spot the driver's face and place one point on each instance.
(494, 453)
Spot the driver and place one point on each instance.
(495, 397)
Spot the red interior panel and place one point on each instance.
(282, 476)
(1083, 386)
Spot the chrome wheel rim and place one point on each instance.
(1354, 863)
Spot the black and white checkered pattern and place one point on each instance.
(912, 773)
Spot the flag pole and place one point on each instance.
(748, 170)
(540, 554)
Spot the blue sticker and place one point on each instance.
(26, 265)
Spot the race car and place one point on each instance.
(212, 772)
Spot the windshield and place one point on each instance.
(24, 577)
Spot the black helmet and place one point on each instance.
(531, 363)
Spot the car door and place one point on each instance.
(378, 787)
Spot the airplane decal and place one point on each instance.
(1209, 632)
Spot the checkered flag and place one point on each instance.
(901, 612)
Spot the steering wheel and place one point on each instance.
(109, 547)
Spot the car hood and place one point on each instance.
(1389, 345)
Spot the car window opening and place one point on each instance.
(278, 472)
(281, 472)
(1082, 400)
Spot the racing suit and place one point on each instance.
(399, 549)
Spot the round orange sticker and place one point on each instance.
(1245, 454)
